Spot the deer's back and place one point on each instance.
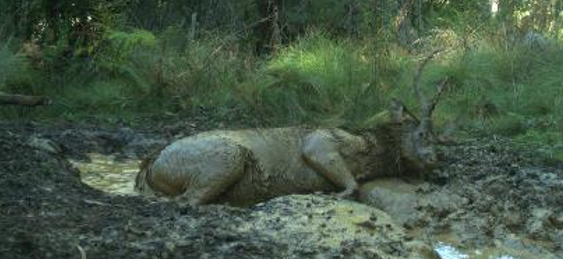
(273, 164)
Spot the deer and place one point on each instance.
(249, 166)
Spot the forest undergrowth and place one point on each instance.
(510, 86)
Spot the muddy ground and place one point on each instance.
(485, 200)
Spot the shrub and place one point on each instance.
(316, 80)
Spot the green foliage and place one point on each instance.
(122, 44)
(511, 124)
(315, 80)
(336, 62)
(99, 97)
(301, 15)
(116, 58)
(510, 89)
(13, 69)
(546, 144)
(450, 14)
(202, 73)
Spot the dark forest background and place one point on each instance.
(281, 62)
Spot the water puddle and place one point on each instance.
(513, 247)
(105, 173)
(447, 251)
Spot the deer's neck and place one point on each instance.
(383, 157)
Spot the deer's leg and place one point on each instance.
(218, 170)
(323, 156)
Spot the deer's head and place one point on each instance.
(415, 136)
(413, 140)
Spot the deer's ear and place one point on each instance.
(396, 111)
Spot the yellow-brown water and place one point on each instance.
(105, 173)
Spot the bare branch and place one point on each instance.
(23, 100)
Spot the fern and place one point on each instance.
(117, 58)
(122, 44)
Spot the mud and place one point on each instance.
(47, 212)
(487, 200)
(485, 197)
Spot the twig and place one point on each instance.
(93, 202)
(23, 100)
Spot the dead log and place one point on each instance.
(23, 100)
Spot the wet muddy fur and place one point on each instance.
(384, 152)
(142, 185)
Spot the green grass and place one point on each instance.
(316, 80)
(15, 70)
(493, 88)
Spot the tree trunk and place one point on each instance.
(266, 30)
(404, 29)
(23, 100)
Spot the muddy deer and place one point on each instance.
(245, 167)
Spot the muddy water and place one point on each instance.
(448, 251)
(449, 247)
(105, 173)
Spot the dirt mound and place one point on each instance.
(47, 212)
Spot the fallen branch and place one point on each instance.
(23, 100)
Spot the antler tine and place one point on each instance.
(439, 90)
(413, 116)
(404, 109)
(418, 82)
(426, 108)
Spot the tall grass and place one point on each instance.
(517, 80)
(511, 89)
(495, 86)
(15, 71)
(316, 79)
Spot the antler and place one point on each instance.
(439, 91)
(426, 107)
